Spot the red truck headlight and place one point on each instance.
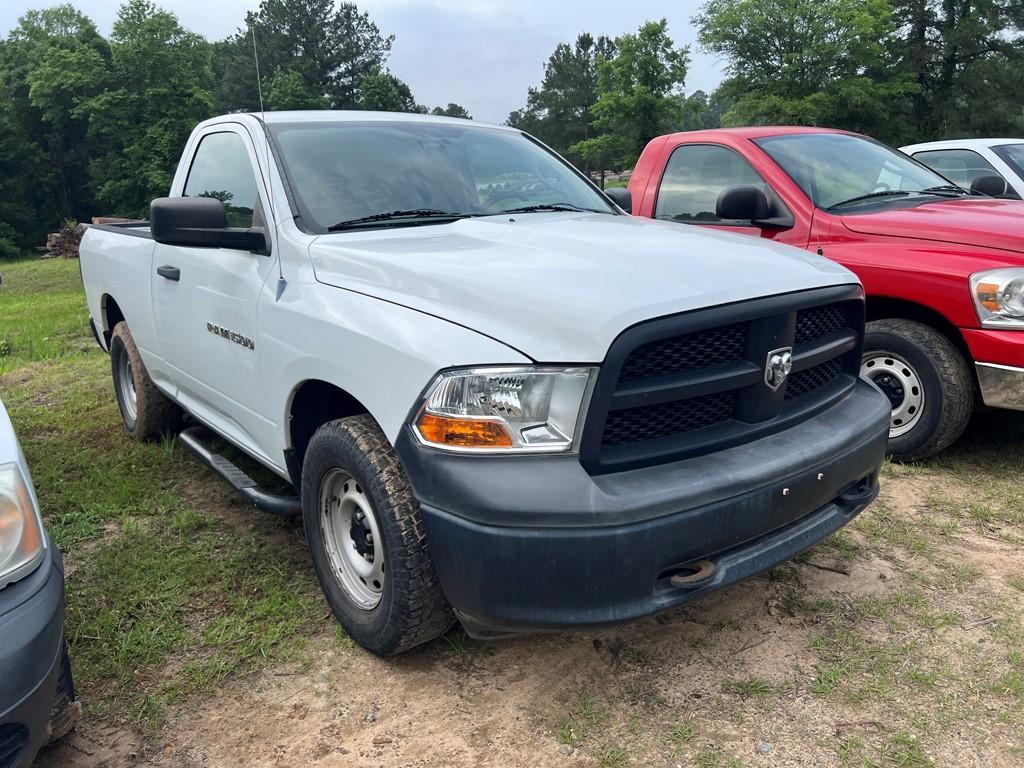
(999, 297)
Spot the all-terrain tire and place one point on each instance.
(147, 413)
(411, 609)
(948, 388)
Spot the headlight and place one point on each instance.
(504, 409)
(999, 297)
(21, 533)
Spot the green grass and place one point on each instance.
(584, 716)
(168, 594)
(42, 312)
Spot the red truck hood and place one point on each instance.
(973, 221)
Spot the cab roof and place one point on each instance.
(757, 132)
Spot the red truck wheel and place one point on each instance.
(927, 381)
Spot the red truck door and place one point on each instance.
(693, 176)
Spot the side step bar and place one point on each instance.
(284, 506)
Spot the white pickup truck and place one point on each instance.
(498, 398)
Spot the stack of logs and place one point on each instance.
(63, 244)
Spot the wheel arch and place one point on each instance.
(311, 404)
(887, 307)
(111, 316)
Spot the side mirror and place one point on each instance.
(744, 203)
(621, 197)
(988, 184)
(200, 222)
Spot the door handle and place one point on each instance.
(171, 273)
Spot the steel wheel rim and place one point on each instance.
(352, 538)
(901, 384)
(128, 396)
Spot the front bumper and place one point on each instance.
(31, 653)
(534, 543)
(1002, 386)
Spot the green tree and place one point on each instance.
(452, 110)
(50, 65)
(560, 112)
(163, 88)
(288, 89)
(809, 62)
(639, 93)
(965, 59)
(333, 49)
(383, 92)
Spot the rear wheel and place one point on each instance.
(927, 382)
(147, 413)
(366, 539)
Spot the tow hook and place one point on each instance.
(692, 573)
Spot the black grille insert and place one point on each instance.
(702, 349)
(805, 382)
(13, 738)
(694, 383)
(655, 421)
(818, 322)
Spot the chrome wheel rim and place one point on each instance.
(127, 382)
(901, 384)
(352, 538)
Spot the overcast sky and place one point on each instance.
(482, 54)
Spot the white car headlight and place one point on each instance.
(504, 409)
(999, 297)
(21, 531)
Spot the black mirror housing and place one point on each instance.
(743, 203)
(621, 197)
(989, 184)
(200, 222)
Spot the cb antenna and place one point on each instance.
(281, 283)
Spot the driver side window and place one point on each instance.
(695, 176)
(221, 169)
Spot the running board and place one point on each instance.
(284, 506)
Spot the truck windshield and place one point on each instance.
(838, 170)
(383, 174)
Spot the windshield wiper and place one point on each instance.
(858, 198)
(412, 213)
(951, 188)
(548, 207)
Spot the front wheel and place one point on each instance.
(366, 539)
(927, 381)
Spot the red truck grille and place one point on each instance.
(690, 384)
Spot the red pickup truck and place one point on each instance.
(943, 268)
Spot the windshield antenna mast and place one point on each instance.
(281, 283)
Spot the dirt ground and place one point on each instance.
(867, 652)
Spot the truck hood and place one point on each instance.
(559, 287)
(966, 221)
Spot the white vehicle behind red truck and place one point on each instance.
(498, 397)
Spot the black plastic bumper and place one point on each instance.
(534, 542)
(31, 653)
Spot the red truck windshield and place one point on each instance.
(833, 169)
(355, 171)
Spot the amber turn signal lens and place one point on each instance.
(468, 433)
(988, 296)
